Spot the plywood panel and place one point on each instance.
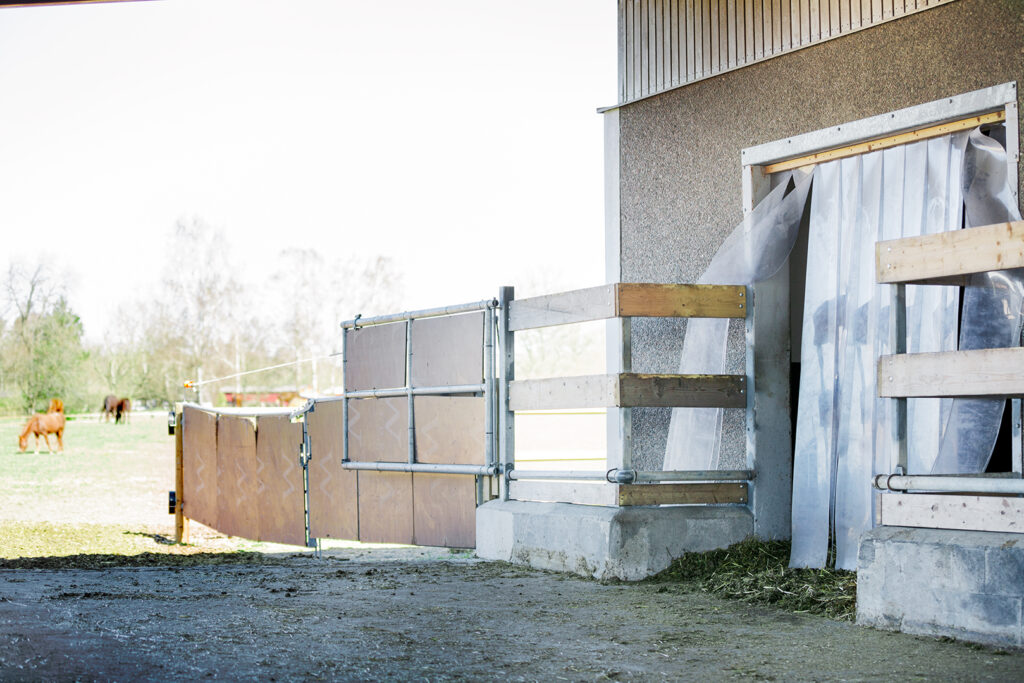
(237, 503)
(385, 507)
(450, 430)
(937, 511)
(683, 494)
(445, 510)
(199, 461)
(630, 390)
(950, 374)
(378, 429)
(375, 357)
(580, 305)
(683, 301)
(448, 350)
(333, 491)
(578, 492)
(951, 254)
(279, 480)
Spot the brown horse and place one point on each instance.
(44, 425)
(124, 406)
(109, 408)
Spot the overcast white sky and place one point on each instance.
(457, 136)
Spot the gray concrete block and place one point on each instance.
(604, 542)
(962, 584)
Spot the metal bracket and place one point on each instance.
(618, 476)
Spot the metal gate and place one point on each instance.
(404, 455)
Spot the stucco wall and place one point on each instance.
(680, 179)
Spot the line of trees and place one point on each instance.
(203, 319)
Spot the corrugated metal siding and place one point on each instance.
(667, 43)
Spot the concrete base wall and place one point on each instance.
(962, 584)
(604, 542)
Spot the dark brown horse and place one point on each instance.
(109, 408)
(123, 407)
(44, 425)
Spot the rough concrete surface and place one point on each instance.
(974, 592)
(628, 543)
(362, 618)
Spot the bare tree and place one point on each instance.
(315, 294)
(199, 296)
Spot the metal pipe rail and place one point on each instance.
(632, 476)
(1009, 486)
(472, 470)
(476, 389)
(416, 315)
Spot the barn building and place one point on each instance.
(820, 128)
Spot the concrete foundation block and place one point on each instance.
(629, 543)
(962, 584)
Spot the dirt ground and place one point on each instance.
(361, 612)
(416, 614)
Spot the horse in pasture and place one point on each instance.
(43, 425)
(109, 409)
(123, 407)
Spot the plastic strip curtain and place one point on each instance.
(755, 251)
(993, 304)
(844, 431)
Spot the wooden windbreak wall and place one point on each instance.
(242, 475)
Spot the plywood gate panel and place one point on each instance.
(448, 350)
(199, 462)
(385, 507)
(333, 502)
(450, 430)
(378, 429)
(237, 502)
(375, 357)
(279, 480)
(444, 507)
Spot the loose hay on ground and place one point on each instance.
(757, 572)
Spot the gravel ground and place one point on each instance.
(411, 614)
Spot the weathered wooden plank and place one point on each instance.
(952, 374)
(578, 492)
(683, 494)
(629, 299)
(953, 254)
(886, 142)
(678, 391)
(681, 301)
(950, 511)
(586, 391)
(629, 390)
(580, 305)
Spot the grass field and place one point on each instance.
(105, 495)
